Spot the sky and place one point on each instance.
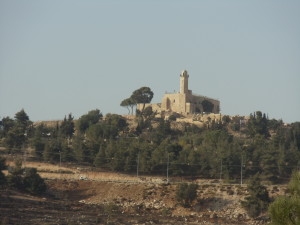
(72, 56)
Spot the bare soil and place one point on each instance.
(90, 202)
(113, 198)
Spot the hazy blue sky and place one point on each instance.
(64, 56)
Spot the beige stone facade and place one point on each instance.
(185, 102)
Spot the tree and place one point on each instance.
(286, 209)
(15, 137)
(268, 162)
(2, 167)
(39, 141)
(25, 179)
(294, 184)
(5, 125)
(66, 153)
(85, 121)
(93, 138)
(142, 95)
(116, 122)
(16, 132)
(14, 178)
(100, 159)
(129, 104)
(67, 126)
(258, 124)
(32, 182)
(144, 119)
(186, 193)
(22, 119)
(258, 198)
(81, 152)
(52, 150)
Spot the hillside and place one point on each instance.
(134, 164)
(123, 199)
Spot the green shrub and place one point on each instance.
(14, 179)
(286, 209)
(32, 181)
(186, 193)
(26, 179)
(258, 199)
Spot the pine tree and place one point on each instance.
(32, 182)
(258, 198)
(100, 159)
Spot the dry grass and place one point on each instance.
(41, 166)
(50, 171)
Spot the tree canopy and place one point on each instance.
(16, 132)
(258, 199)
(142, 95)
(85, 121)
(129, 103)
(213, 151)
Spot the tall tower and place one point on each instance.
(184, 77)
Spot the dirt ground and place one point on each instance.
(113, 198)
(89, 202)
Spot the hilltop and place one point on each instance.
(144, 157)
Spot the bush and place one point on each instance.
(286, 209)
(186, 193)
(26, 179)
(14, 179)
(294, 184)
(33, 183)
(258, 198)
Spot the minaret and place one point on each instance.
(184, 77)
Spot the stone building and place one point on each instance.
(185, 102)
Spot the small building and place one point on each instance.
(185, 102)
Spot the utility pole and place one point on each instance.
(59, 158)
(221, 170)
(25, 156)
(241, 154)
(168, 169)
(242, 171)
(137, 166)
